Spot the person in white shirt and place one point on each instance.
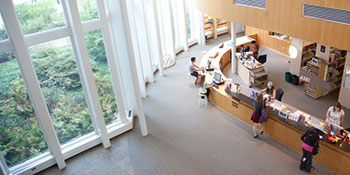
(204, 87)
(335, 115)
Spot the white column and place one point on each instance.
(182, 25)
(123, 45)
(11, 22)
(233, 49)
(200, 27)
(294, 65)
(112, 63)
(143, 40)
(135, 43)
(169, 26)
(85, 70)
(158, 37)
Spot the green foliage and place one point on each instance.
(57, 68)
(95, 45)
(39, 16)
(20, 135)
(107, 100)
(87, 9)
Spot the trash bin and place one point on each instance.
(295, 80)
(288, 77)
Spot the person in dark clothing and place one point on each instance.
(258, 105)
(310, 147)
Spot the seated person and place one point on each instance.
(255, 49)
(204, 87)
(270, 90)
(193, 68)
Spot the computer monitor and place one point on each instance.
(242, 52)
(217, 77)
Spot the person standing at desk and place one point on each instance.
(258, 106)
(335, 115)
(270, 90)
(193, 68)
(255, 49)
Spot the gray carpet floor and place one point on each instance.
(185, 139)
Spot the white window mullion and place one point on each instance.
(158, 37)
(168, 26)
(3, 165)
(16, 37)
(182, 25)
(143, 40)
(85, 71)
(5, 45)
(112, 63)
(121, 38)
(136, 50)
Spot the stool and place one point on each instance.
(192, 79)
(203, 100)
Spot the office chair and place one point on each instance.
(279, 94)
(262, 59)
(247, 49)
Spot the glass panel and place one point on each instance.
(39, 15)
(174, 22)
(87, 9)
(188, 18)
(98, 59)
(3, 32)
(20, 133)
(57, 71)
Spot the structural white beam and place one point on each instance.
(5, 46)
(85, 70)
(143, 40)
(8, 12)
(182, 24)
(112, 63)
(158, 37)
(233, 49)
(135, 43)
(123, 45)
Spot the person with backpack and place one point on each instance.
(310, 147)
(258, 106)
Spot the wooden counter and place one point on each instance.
(330, 156)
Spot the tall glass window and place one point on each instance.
(57, 71)
(3, 32)
(98, 59)
(173, 18)
(39, 15)
(188, 7)
(21, 137)
(87, 10)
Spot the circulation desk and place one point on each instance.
(333, 157)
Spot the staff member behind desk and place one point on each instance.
(335, 115)
(193, 68)
(255, 49)
(204, 87)
(270, 90)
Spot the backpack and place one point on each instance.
(264, 115)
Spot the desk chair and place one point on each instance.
(279, 94)
(262, 59)
(247, 49)
(191, 79)
(203, 100)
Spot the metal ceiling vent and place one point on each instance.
(251, 3)
(326, 13)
